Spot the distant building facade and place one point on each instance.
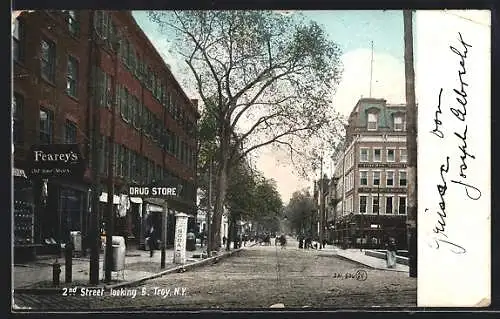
(368, 191)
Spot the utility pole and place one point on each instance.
(321, 210)
(379, 226)
(209, 209)
(94, 229)
(111, 156)
(411, 141)
(371, 70)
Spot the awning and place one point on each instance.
(18, 172)
(136, 200)
(104, 198)
(154, 208)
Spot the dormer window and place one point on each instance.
(372, 121)
(399, 124)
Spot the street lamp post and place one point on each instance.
(379, 228)
(111, 155)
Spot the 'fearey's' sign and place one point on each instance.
(56, 160)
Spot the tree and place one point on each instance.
(268, 79)
(300, 211)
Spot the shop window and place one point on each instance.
(71, 212)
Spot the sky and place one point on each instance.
(353, 31)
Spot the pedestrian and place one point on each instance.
(152, 240)
(283, 241)
(224, 239)
(391, 253)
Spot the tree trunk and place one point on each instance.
(229, 233)
(221, 189)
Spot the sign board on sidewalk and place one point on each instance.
(55, 160)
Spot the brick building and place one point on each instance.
(66, 65)
(368, 191)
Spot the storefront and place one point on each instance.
(24, 230)
(64, 205)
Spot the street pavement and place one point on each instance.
(257, 277)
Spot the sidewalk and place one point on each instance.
(359, 257)
(138, 266)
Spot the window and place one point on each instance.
(108, 94)
(402, 178)
(132, 58)
(72, 76)
(17, 118)
(151, 171)
(362, 204)
(403, 155)
(388, 205)
(137, 113)
(363, 178)
(48, 60)
(133, 165)
(70, 132)
(389, 178)
(375, 204)
(399, 123)
(104, 150)
(377, 154)
(372, 121)
(150, 75)
(166, 141)
(18, 40)
(73, 25)
(390, 155)
(402, 206)
(125, 107)
(102, 22)
(46, 126)
(376, 178)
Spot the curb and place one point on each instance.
(188, 266)
(366, 265)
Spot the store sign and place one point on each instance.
(169, 189)
(55, 160)
(382, 190)
(382, 165)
